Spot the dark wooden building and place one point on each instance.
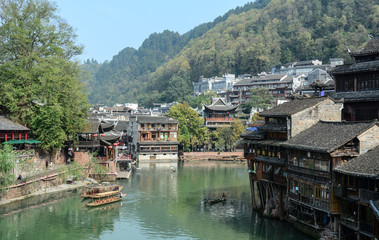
(312, 156)
(266, 158)
(358, 84)
(357, 187)
(219, 114)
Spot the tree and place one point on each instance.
(191, 128)
(226, 137)
(260, 98)
(7, 164)
(203, 98)
(40, 81)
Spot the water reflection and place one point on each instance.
(159, 205)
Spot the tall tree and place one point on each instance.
(260, 98)
(40, 81)
(191, 128)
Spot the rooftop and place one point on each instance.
(328, 136)
(291, 107)
(154, 119)
(6, 124)
(366, 165)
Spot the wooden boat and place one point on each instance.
(214, 201)
(105, 198)
(96, 189)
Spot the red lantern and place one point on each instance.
(102, 135)
(109, 147)
(95, 135)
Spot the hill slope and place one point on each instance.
(248, 41)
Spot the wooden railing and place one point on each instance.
(366, 195)
(220, 119)
(158, 139)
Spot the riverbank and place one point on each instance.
(41, 196)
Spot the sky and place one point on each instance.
(105, 27)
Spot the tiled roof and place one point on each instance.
(366, 165)
(357, 67)
(291, 107)
(362, 96)
(219, 108)
(6, 124)
(371, 47)
(327, 136)
(268, 77)
(155, 119)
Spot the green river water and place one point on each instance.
(159, 205)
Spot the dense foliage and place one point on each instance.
(7, 164)
(40, 82)
(260, 98)
(227, 137)
(250, 39)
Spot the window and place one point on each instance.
(294, 187)
(293, 161)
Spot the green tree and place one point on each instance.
(203, 98)
(226, 137)
(191, 128)
(260, 98)
(40, 81)
(7, 164)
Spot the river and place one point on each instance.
(159, 205)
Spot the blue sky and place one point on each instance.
(105, 27)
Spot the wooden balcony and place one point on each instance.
(366, 195)
(220, 119)
(158, 140)
(349, 222)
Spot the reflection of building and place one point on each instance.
(218, 114)
(358, 84)
(153, 138)
(357, 187)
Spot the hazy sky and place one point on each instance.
(105, 27)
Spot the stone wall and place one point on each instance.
(368, 139)
(326, 110)
(82, 157)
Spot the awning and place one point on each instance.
(14, 141)
(32, 141)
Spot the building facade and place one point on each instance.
(152, 138)
(358, 84)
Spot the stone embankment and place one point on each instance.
(38, 189)
(213, 156)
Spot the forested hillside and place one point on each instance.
(250, 39)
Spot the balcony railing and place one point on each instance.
(349, 222)
(158, 140)
(366, 195)
(158, 150)
(157, 129)
(220, 119)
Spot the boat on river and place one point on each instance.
(92, 190)
(105, 198)
(214, 201)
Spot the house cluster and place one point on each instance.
(281, 82)
(314, 161)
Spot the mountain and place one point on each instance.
(248, 39)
